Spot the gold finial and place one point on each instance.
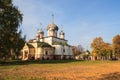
(52, 18)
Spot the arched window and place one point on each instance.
(26, 53)
(46, 52)
(63, 50)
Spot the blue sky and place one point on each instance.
(82, 20)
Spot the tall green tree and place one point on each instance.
(116, 45)
(10, 35)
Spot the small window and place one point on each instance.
(46, 52)
(63, 50)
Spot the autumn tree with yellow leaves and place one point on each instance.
(101, 49)
(116, 46)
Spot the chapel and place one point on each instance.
(48, 47)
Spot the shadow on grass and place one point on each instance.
(110, 76)
(20, 62)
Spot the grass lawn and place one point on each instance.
(60, 70)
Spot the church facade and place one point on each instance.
(47, 47)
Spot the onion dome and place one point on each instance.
(52, 26)
(41, 31)
(62, 33)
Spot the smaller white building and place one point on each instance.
(49, 47)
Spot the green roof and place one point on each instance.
(60, 43)
(43, 44)
(29, 45)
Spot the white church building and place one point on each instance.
(48, 47)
